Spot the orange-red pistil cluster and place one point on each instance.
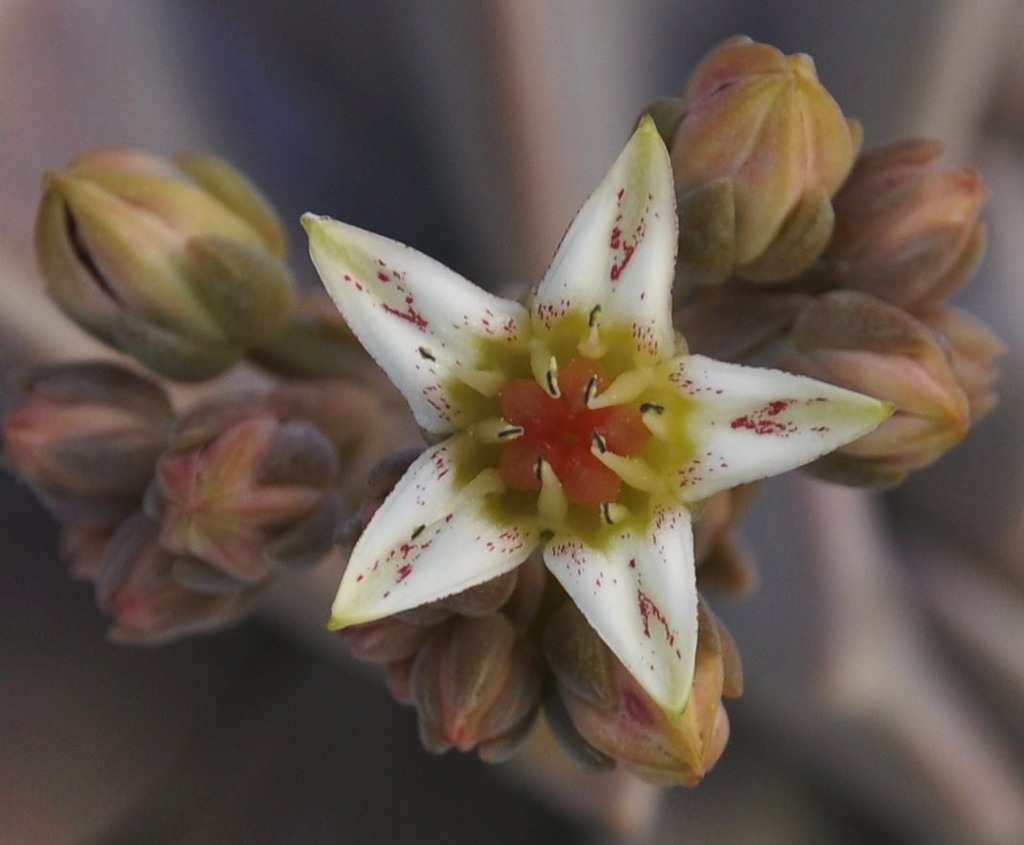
(563, 431)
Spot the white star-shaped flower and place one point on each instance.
(576, 423)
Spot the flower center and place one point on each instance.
(557, 426)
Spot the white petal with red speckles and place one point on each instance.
(431, 538)
(639, 593)
(750, 423)
(419, 320)
(619, 252)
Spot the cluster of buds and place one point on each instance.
(799, 253)
(180, 520)
(183, 517)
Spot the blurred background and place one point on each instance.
(884, 648)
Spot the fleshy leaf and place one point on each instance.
(431, 538)
(639, 593)
(619, 252)
(749, 423)
(420, 321)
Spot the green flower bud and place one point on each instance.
(138, 587)
(178, 265)
(756, 158)
(906, 230)
(243, 491)
(475, 685)
(858, 342)
(619, 723)
(86, 439)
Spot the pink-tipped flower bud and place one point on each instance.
(387, 640)
(619, 723)
(757, 157)
(86, 439)
(906, 230)
(243, 491)
(972, 348)
(861, 343)
(177, 264)
(138, 586)
(475, 684)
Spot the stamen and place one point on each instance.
(599, 442)
(544, 367)
(419, 529)
(633, 471)
(590, 391)
(495, 430)
(426, 354)
(484, 382)
(613, 512)
(590, 346)
(552, 504)
(551, 378)
(624, 389)
(653, 417)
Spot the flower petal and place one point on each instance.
(749, 423)
(619, 252)
(639, 593)
(431, 538)
(421, 322)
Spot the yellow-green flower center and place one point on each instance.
(581, 432)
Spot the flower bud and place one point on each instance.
(721, 563)
(858, 342)
(315, 343)
(736, 323)
(244, 490)
(137, 586)
(906, 230)
(619, 722)
(757, 157)
(86, 439)
(386, 640)
(179, 265)
(82, 547)
(972, 348)
(481, 600)
(363, 423)
(475, 685)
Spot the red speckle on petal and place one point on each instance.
(763, 421)
(650, 611)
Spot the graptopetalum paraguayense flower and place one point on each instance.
(576, 422)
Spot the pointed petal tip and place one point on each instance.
(646, 127)
(673, 704)
(314, 223)
(309, 221)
